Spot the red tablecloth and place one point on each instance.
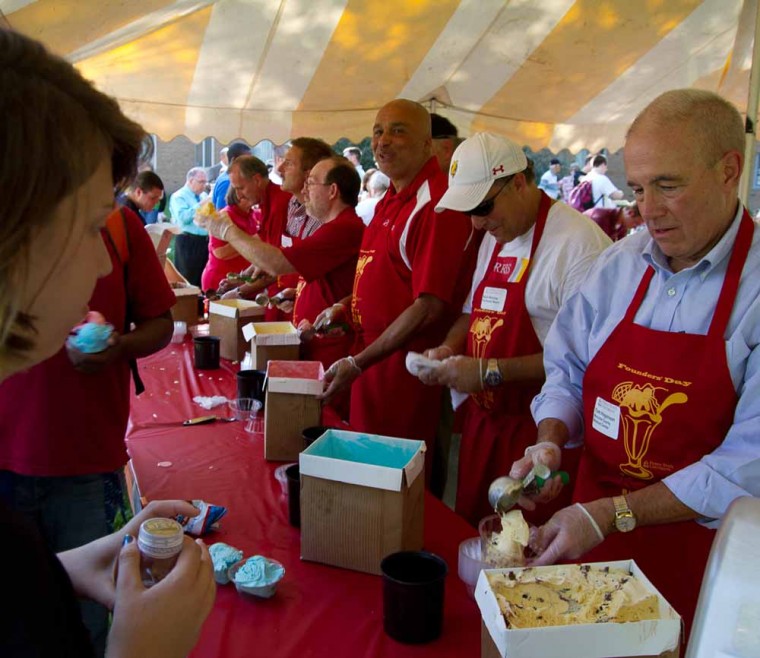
(318, 610)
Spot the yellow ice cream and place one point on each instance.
(572, 594)
(207, 209)
(506, 548)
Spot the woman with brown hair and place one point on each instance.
(78, 148)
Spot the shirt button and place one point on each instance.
(671, 292)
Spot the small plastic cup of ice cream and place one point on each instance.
(503, 546)
(257, 576)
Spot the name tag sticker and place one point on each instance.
(606, 418)
(493, 299)
(286, 241)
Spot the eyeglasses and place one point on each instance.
(486, 207)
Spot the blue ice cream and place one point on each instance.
(223, 556)
(91, 337)
(257, 572)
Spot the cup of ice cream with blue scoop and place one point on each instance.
(92, 335)
(257, 575)
(223, 557)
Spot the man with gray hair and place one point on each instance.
(190, 246)
(654, 364)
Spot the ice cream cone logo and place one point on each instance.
(482, 329)
(364, 260)
(640, 414)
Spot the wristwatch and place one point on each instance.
(493, 374)
(625, 521)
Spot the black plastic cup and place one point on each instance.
(413, 587)
(294, 495)
(206, 352)
(311, 434)
(250, 384)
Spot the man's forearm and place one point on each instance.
(424, 311)
(148, 337)
(652, 505)
(554, 431)
(529, 367)
(262, 255)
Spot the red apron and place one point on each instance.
(386, 399)
(498, 425)
(675, 400)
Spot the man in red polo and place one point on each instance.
(250, 178)
(324, 261)
(411, 279)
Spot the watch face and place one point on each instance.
(625, 523)
(493, 378)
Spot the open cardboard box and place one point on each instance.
(291, 406)
(641, 638)
(185, 309)
(362, 498)
(271, 341)
(226, 318)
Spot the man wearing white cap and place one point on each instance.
(534, 255)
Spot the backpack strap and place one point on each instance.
(118, 236)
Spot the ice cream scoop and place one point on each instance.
(505, 491)
(262, 299)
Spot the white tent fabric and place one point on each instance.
(549, 73)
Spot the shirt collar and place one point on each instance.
(653, 255)
(428, 169)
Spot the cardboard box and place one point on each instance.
(291, 406)
(642, 638)
(185, 309)
(272, 341)
(226, 318)
(362, 498)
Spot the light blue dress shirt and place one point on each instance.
(677, 302)
(183, 204)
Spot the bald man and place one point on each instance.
(411, 279)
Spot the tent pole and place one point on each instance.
(750, 129)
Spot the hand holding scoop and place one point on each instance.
(505, 491)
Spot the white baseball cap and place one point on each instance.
(476, 164)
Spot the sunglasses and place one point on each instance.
(486, 207)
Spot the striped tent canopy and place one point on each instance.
(548, 73)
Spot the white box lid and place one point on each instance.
(641, 638)
(236, 308)
(271, 333)
(370, 460)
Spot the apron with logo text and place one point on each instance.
(498, 425)
(386, 399)
(654, 403)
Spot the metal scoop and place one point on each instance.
(262, 299)
(505, 491)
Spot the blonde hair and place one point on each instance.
(714, 123)
(54, 125)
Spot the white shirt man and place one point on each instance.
(604, 191)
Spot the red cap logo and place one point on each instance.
(497, 170)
